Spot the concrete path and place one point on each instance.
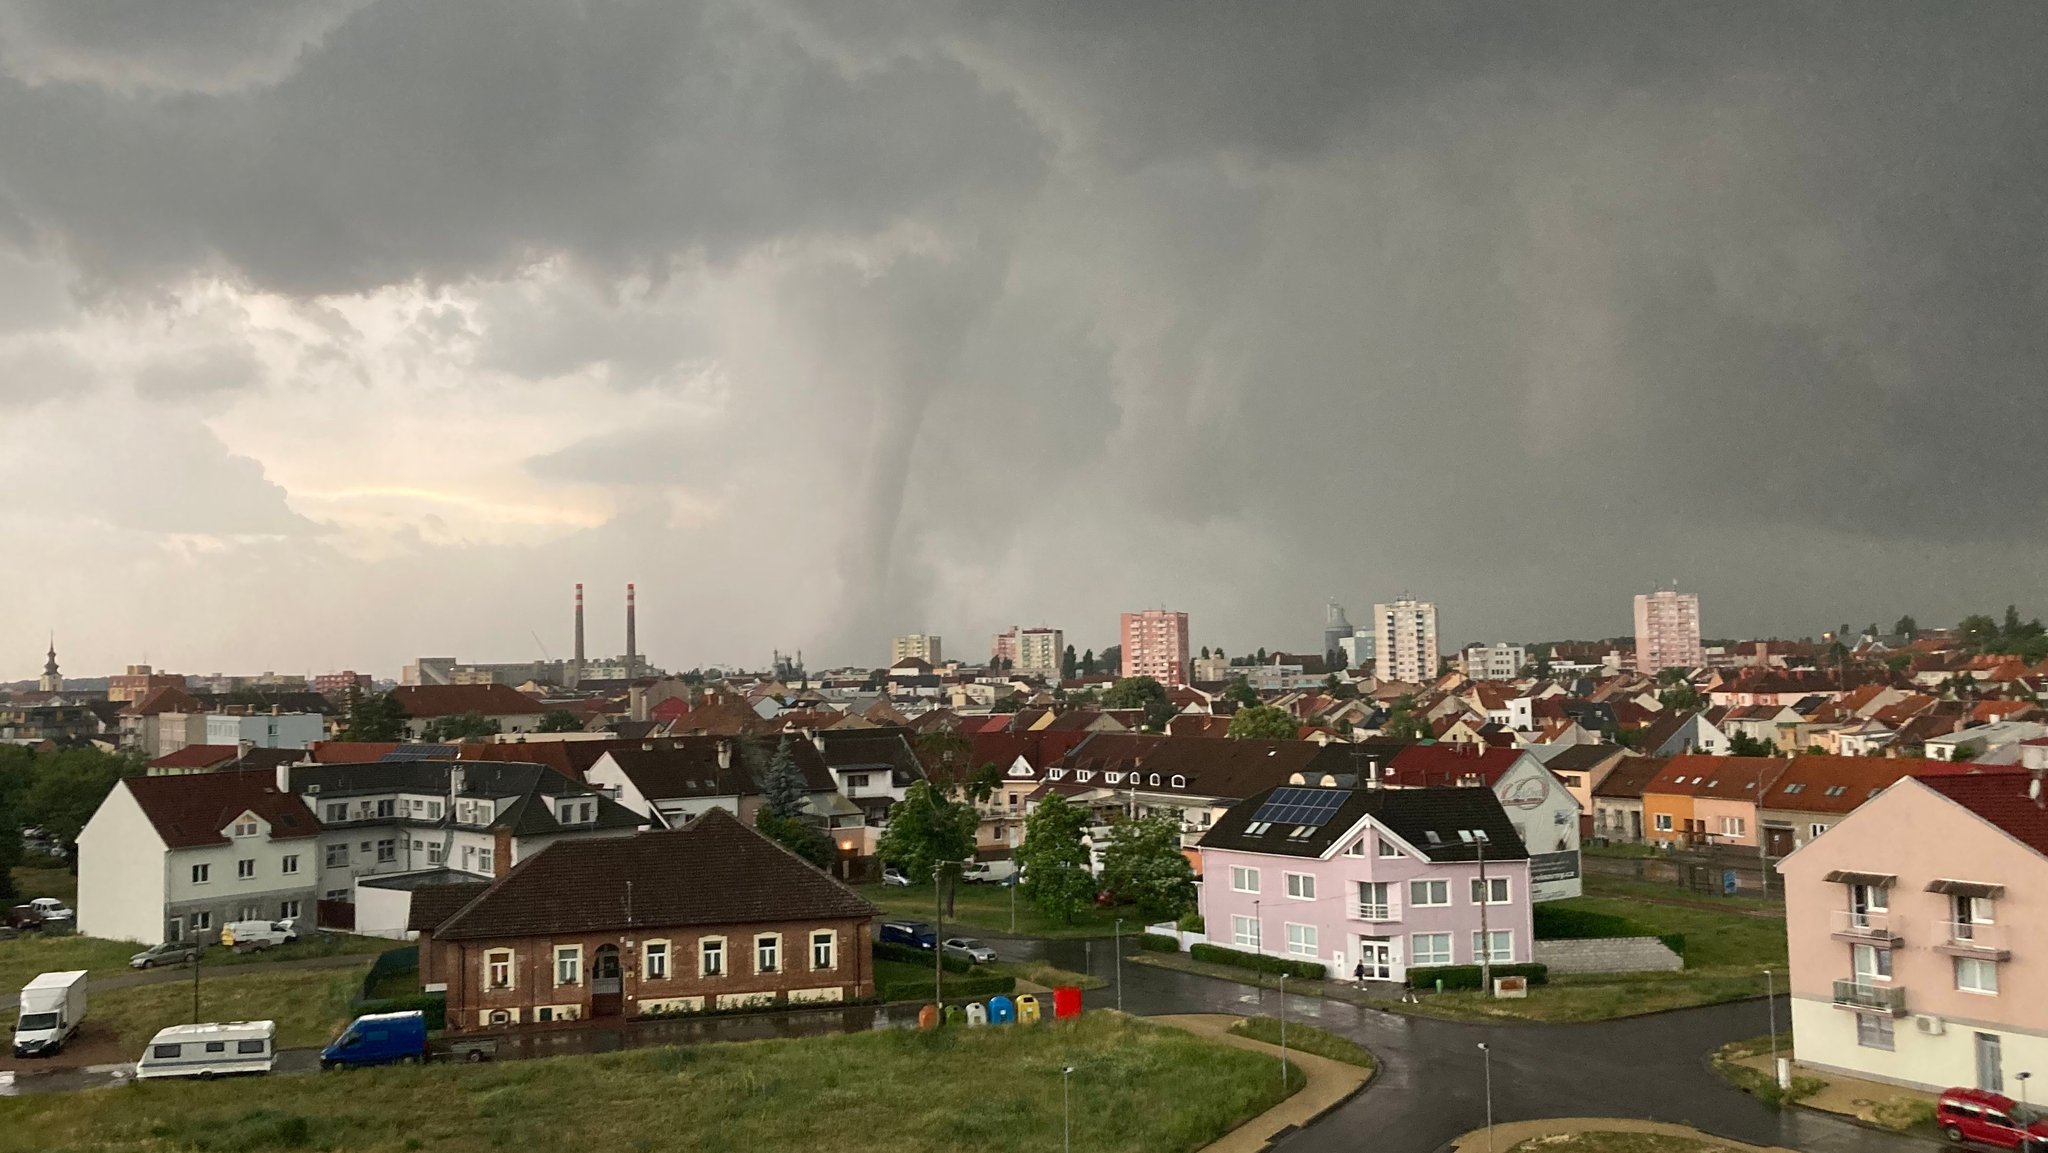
(134, 977)
(1505, 1137)
(1329, 1083)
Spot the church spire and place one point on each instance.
(52, 681)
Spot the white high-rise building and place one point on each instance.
(1668, 631)
(916, 646)
(1404, 632)
(1501, 662)
(1039, 651)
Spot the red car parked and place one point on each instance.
(1989, 1118)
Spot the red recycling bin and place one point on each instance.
(1066, 1002)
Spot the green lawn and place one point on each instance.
(1306, 1039)
(32, 953)
(986, 909)
(309, 1005)
(1601, 885)
(1610, 1142)
(1135, 1087)
(46, 880)
(1713, 937)
(317, 945)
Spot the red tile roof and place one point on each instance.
(1725, 778)
(1426, 766)
(190, 811)
(2000, 798)
(1807, 781)
(163, 699)
(350, 752)
(421, 701)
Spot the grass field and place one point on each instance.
(1306, 1039)
(1600, 885)
(986, 909)
(1610, 1142)
(33, 953)
(33, 881)
(1135, 1087)
(309, 1005)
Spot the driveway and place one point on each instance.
(1431, 1086)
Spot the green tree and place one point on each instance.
(1240, 690)
(783, 788)
(1008, 703)
(67, 789)
(1907, 627)
(10, 855)
(1134, 693)
(1744, 745)
(928, 831)
(1680, 697)
(799, 836)
(1404, 723)
(1070, 665)
(1112, 660)
(1673, 676)
(1088, 663)
(1263, 723)
(1055, 862)
(1205, 652)
(559, 721)
(1978, 632)
(463, 728)
(1143, 864)
(374, 717)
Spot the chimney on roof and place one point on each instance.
(724, 753)
(576, 666)
(632, 646)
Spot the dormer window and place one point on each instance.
(246, 826)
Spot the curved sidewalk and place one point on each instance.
(1330, 1083)
(1507, 1135)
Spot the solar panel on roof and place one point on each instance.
(419, 753)
(1300, 806)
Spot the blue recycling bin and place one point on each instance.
(1001, 1011)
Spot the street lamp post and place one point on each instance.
(1119, 964)
(1771, 1006)
(938, 944)
(1283, 1031)
(2022, 1077)
(1485, 938)
(1067, 1108)
(1486, 1055)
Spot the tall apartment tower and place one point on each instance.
(1668, 631)
(1155, 644)
(916, 646)
(1005, 647)
(1404, 633)
(1039, 651)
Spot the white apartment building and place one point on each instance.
(265, 730)
(915, 646)
(1405, 634)
(1039, 651)
(1668, 631)
(1496, 662)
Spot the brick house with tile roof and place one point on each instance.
(514, 711)
(711, 916)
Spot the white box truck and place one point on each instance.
(52, 1009)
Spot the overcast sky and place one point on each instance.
(335, 332)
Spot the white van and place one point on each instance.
(256, 936)
(208, 1051)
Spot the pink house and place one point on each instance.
(1389, 878)
(1918, 928)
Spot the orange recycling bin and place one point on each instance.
(1066, 1002)
(928, 1017)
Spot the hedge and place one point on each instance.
(1468, 976)
(967, 988)
(1258, 962)
(1555, 924)
(890, 951)
(1674, 942)
(433, 1006)
(1158, 943)
(1190, 923)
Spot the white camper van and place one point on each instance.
(208, 1051)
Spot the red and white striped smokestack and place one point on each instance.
(632, 649)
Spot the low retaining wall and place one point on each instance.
(1609, 955)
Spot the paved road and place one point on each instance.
(134, 977)
(1431, 1087)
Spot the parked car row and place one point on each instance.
(229, 1048)
(973, 872)
(39, 914)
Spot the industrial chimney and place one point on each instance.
(632, 651)
(576, 669)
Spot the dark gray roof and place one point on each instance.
(1412, 815)
(712, 871)
(690, 767)
(1582, 758)
(525, 784)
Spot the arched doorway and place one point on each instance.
(606, 989)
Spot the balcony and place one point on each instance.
(1973, 939)
(1370, 912)
(1862, 997)
(1868, 927)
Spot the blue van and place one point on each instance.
(379, 1039)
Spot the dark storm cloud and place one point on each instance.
(1519, 306)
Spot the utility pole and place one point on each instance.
(1119, 964)
(1283, 1030)
(938, 944)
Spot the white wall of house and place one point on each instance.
(607, 776)
(121, 873)
(1547, 816)
(265, 730)
(280, 872)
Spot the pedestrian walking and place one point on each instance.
(1358, 974)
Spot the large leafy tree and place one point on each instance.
(374, 717)
(1263, 723)
(927, 831)
(1143, 864)
(799, 836)
(1057, 880)
(559, 721)
(1140, 693)
(1907, 627)
(1241, 691)
(463, 727)
(1744, 745)
(66, 789)
(1404, 723)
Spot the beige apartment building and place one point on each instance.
(1668, 631)
(1918, 955)
(1155, 644)
(1405, 634)
(916, 646)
